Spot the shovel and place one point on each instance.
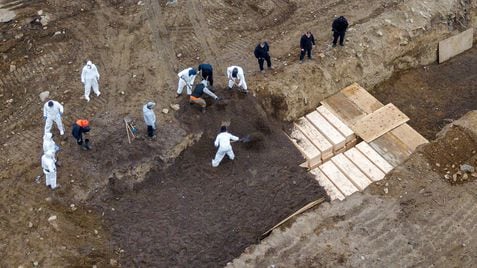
(245, 139)
(253, 137)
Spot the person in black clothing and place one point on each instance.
(339, 27)
(261, 53)
(206, 71)
(196, 96)
(307, 42)
(79, 127)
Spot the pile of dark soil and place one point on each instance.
(448, 153)
(190, 214)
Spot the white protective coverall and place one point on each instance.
(186, 80)
(224, 148)
(149, 116)
(90, 78)
(240, 78)
(49, 168)
(51, 114)
(49, 145)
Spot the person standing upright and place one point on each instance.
(50, 145)
(307, 42)
(90, 78)
(262, 54)
(207, 73)
(150, 118)
(52, 111)
(339, 27)
(49, 168)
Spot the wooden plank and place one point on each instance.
(409, 136)
(456, 44)
(305, 146)
(329, 187)
(354, 174)
(379, 122)
(298, 212)
(351, 144)
(363, 163)
(374, 157)
(337, 123)
(391, 148)
(314, 135)
(333, 135)
(341, 150)
(338, 178)
(343, 108)
(362, 98)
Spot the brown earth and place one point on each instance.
(434, 95)
(138, 50)
(191, 214)
(414, 217)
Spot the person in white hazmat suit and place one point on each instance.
(150, 118)
(222, 142)
(49, 168)
(236, 77)
(49, 145)
(52, 111)
(90, 78)
(186, 79)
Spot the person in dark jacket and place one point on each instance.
(79, 127)
(307, 42)
(339, 27)
(196, 96)
(261, 53)
(206, 71)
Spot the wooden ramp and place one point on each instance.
(353, 140)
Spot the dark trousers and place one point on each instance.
(262, 60)
(305, 51)
(208, 76)
(150, 131)
(341, 35)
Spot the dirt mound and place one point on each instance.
(205, 216)
(450, 152)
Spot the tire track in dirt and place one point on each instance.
(35, 68)
(13, 4)
(25, 143)
(159, 31)
(195, 12)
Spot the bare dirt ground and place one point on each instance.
(434, 95)
(191, 214)
(415, 217)
(138, 48)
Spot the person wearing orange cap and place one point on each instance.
(79, 127)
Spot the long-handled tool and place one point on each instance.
(130, 129)
(301, 210)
